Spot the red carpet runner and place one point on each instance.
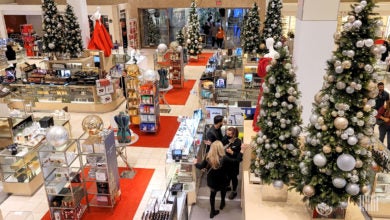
(202, 60)
(179, 96)
(132, 193)
(161, 139)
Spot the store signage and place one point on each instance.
(218, 2)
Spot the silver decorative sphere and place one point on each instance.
(295, 131)
(150, 75)
(162, 48)
(339, 182)
(343, 204)
(346, 162)
(278, 184)
(319, 160)
(352, 140)
(352, 189)
(308, 190)
(57, 136)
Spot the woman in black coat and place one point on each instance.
(216, 165)
(232, 145)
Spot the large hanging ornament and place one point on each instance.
(324, 209)
(352, 189)
(319, 160)
(92, 124)
(308, 190)
(341, 123)
(150, 75)
(339, 182)
(57, 136)
(346, 162)
(162, 48)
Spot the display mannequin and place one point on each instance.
(100, 39)
(123, 122)
(262, 72)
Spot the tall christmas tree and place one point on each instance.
(273, 21)
(277, 147)
(250, 36)
(153, 33)
(61, 32)
(51, 38)
(337, 156)
(73, 40)
(194, 44)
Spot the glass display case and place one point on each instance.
(78, 98)
(65, 189)
(20, 170)
(100, 169)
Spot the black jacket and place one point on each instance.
(217, 179)
(234, 167)
(10, 53)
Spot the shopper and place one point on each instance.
(213, 32)
(220, 36)
(232, 146)
(382, 96)
(386, 53)
(215, 165)
(214, 133)
(11, 55)
(384, 127)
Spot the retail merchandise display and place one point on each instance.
(149, 108)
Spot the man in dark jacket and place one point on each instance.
(214, 133)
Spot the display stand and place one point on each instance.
(133, 98)
(172, 61)
(121, 151)
(100, 169)
(28, 39)
(149, 108)
(62, 171)
(166, 108)
(133, 33)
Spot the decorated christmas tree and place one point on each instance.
(153, 33)
(61, 32)
(250, 36)
(51, 38)
(180, 37)
(273, 21)
(194, 44)
(276, 145)
(73, 40)
(337, 157)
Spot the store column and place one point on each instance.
(81, 12)
(313, 45)
(3, 29)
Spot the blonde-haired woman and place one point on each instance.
(216, 164)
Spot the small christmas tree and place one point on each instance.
(51, 38)
(277, 146)
(337, 156)
(273, 21)
(250, 35)
(153, 33)
(73, 40)
(180, 37)
(194, 44)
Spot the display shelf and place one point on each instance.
(379, 201)
(133, 34)
(172, 62)
(100, 169)
(132, 98)
(149, 108)
(65, 189)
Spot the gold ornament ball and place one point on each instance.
(262, 162)
(308, 190)
(365, 141)
(262, 46)
(339, 149)
(92, 124)
(324, 128)
(318, 97)
(373, 94)
(326, 149)
(365, 189)
(358, 163)
(341, 123)
(367, 108)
